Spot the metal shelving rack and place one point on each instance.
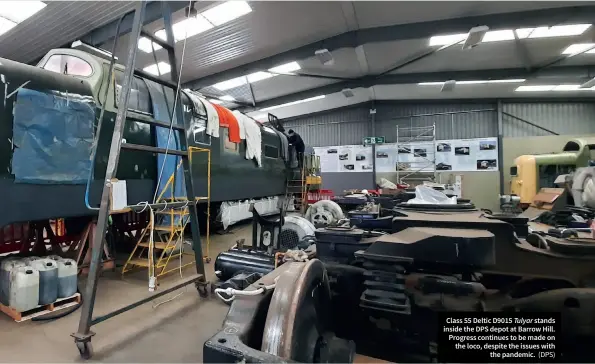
(421, 135)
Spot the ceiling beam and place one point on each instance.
(567, 72)
(106, 32)
(420, 30)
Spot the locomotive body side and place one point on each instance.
(233, 177)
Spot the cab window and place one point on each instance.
(68, 65)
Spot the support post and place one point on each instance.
(500, 151)
(373, 130)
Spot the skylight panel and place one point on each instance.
(226, 12)
(441, 40)
(559, 31)
(144, 44)
(215, 101)
(187, 28)
(17, 11)
(229, 84)
(471, 82)
(510, 80)
(227, 98)
(430, 83)
(568, 88)
(294, 103)
(161, 68)
(578, 48)
(498, 35)
(259, 76)
(535, 88)
(6, 25)
(286, 68)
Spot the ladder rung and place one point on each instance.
(180, 212)
(158, 245)
(158, 206)
(156, 40)
(149, 120)
(146, 148)
(156, 79)
(169, 228)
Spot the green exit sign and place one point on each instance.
(374, 140)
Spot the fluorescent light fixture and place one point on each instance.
(229, 84)
(471, 82)
(286, 68)
(567, 88)
(227, 98)
(259, 76)
(6, 25)
(17, 11)
(261, 117)
(499, 35)
(226, 12)
(508, 34)
(578, 48)
(325, 57)
(186, 28)
(294, 103)
(164, 68)
(144, 44)
(559, 31)
(442, 40)
(215, 101)
(510, 80)
(475, 36)
(474, 82)
(535, 88)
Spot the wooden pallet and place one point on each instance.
(60, 304)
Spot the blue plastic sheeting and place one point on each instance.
(162, 112)
(53, 137)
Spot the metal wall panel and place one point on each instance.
(561, 117)
(453, 121)
(337, 127)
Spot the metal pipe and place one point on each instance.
(129, 307)
(438, 113)
(530, 123)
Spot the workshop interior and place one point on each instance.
(292, 181)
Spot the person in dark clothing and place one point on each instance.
(296, 140)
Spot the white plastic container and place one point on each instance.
(48, 280)
(30, 260)
(67, 277)
(24, 288)
(6, 268)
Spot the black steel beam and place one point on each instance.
(106, 32)
(577, 72)
(420, 30)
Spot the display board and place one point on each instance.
(458, 155)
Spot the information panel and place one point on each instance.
(481, 337)
(458, 155)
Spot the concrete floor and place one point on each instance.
(173, 332)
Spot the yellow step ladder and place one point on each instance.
(161, 243)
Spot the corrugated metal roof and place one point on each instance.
(58, 23)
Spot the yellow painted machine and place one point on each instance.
(533, 172)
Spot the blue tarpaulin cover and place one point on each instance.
(53, 137)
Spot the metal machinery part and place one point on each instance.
(388, 298)
(324, 213)
(583, 187)
(295, 230)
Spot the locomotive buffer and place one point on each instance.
(83, 336)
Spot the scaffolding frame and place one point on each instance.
(425, 135)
